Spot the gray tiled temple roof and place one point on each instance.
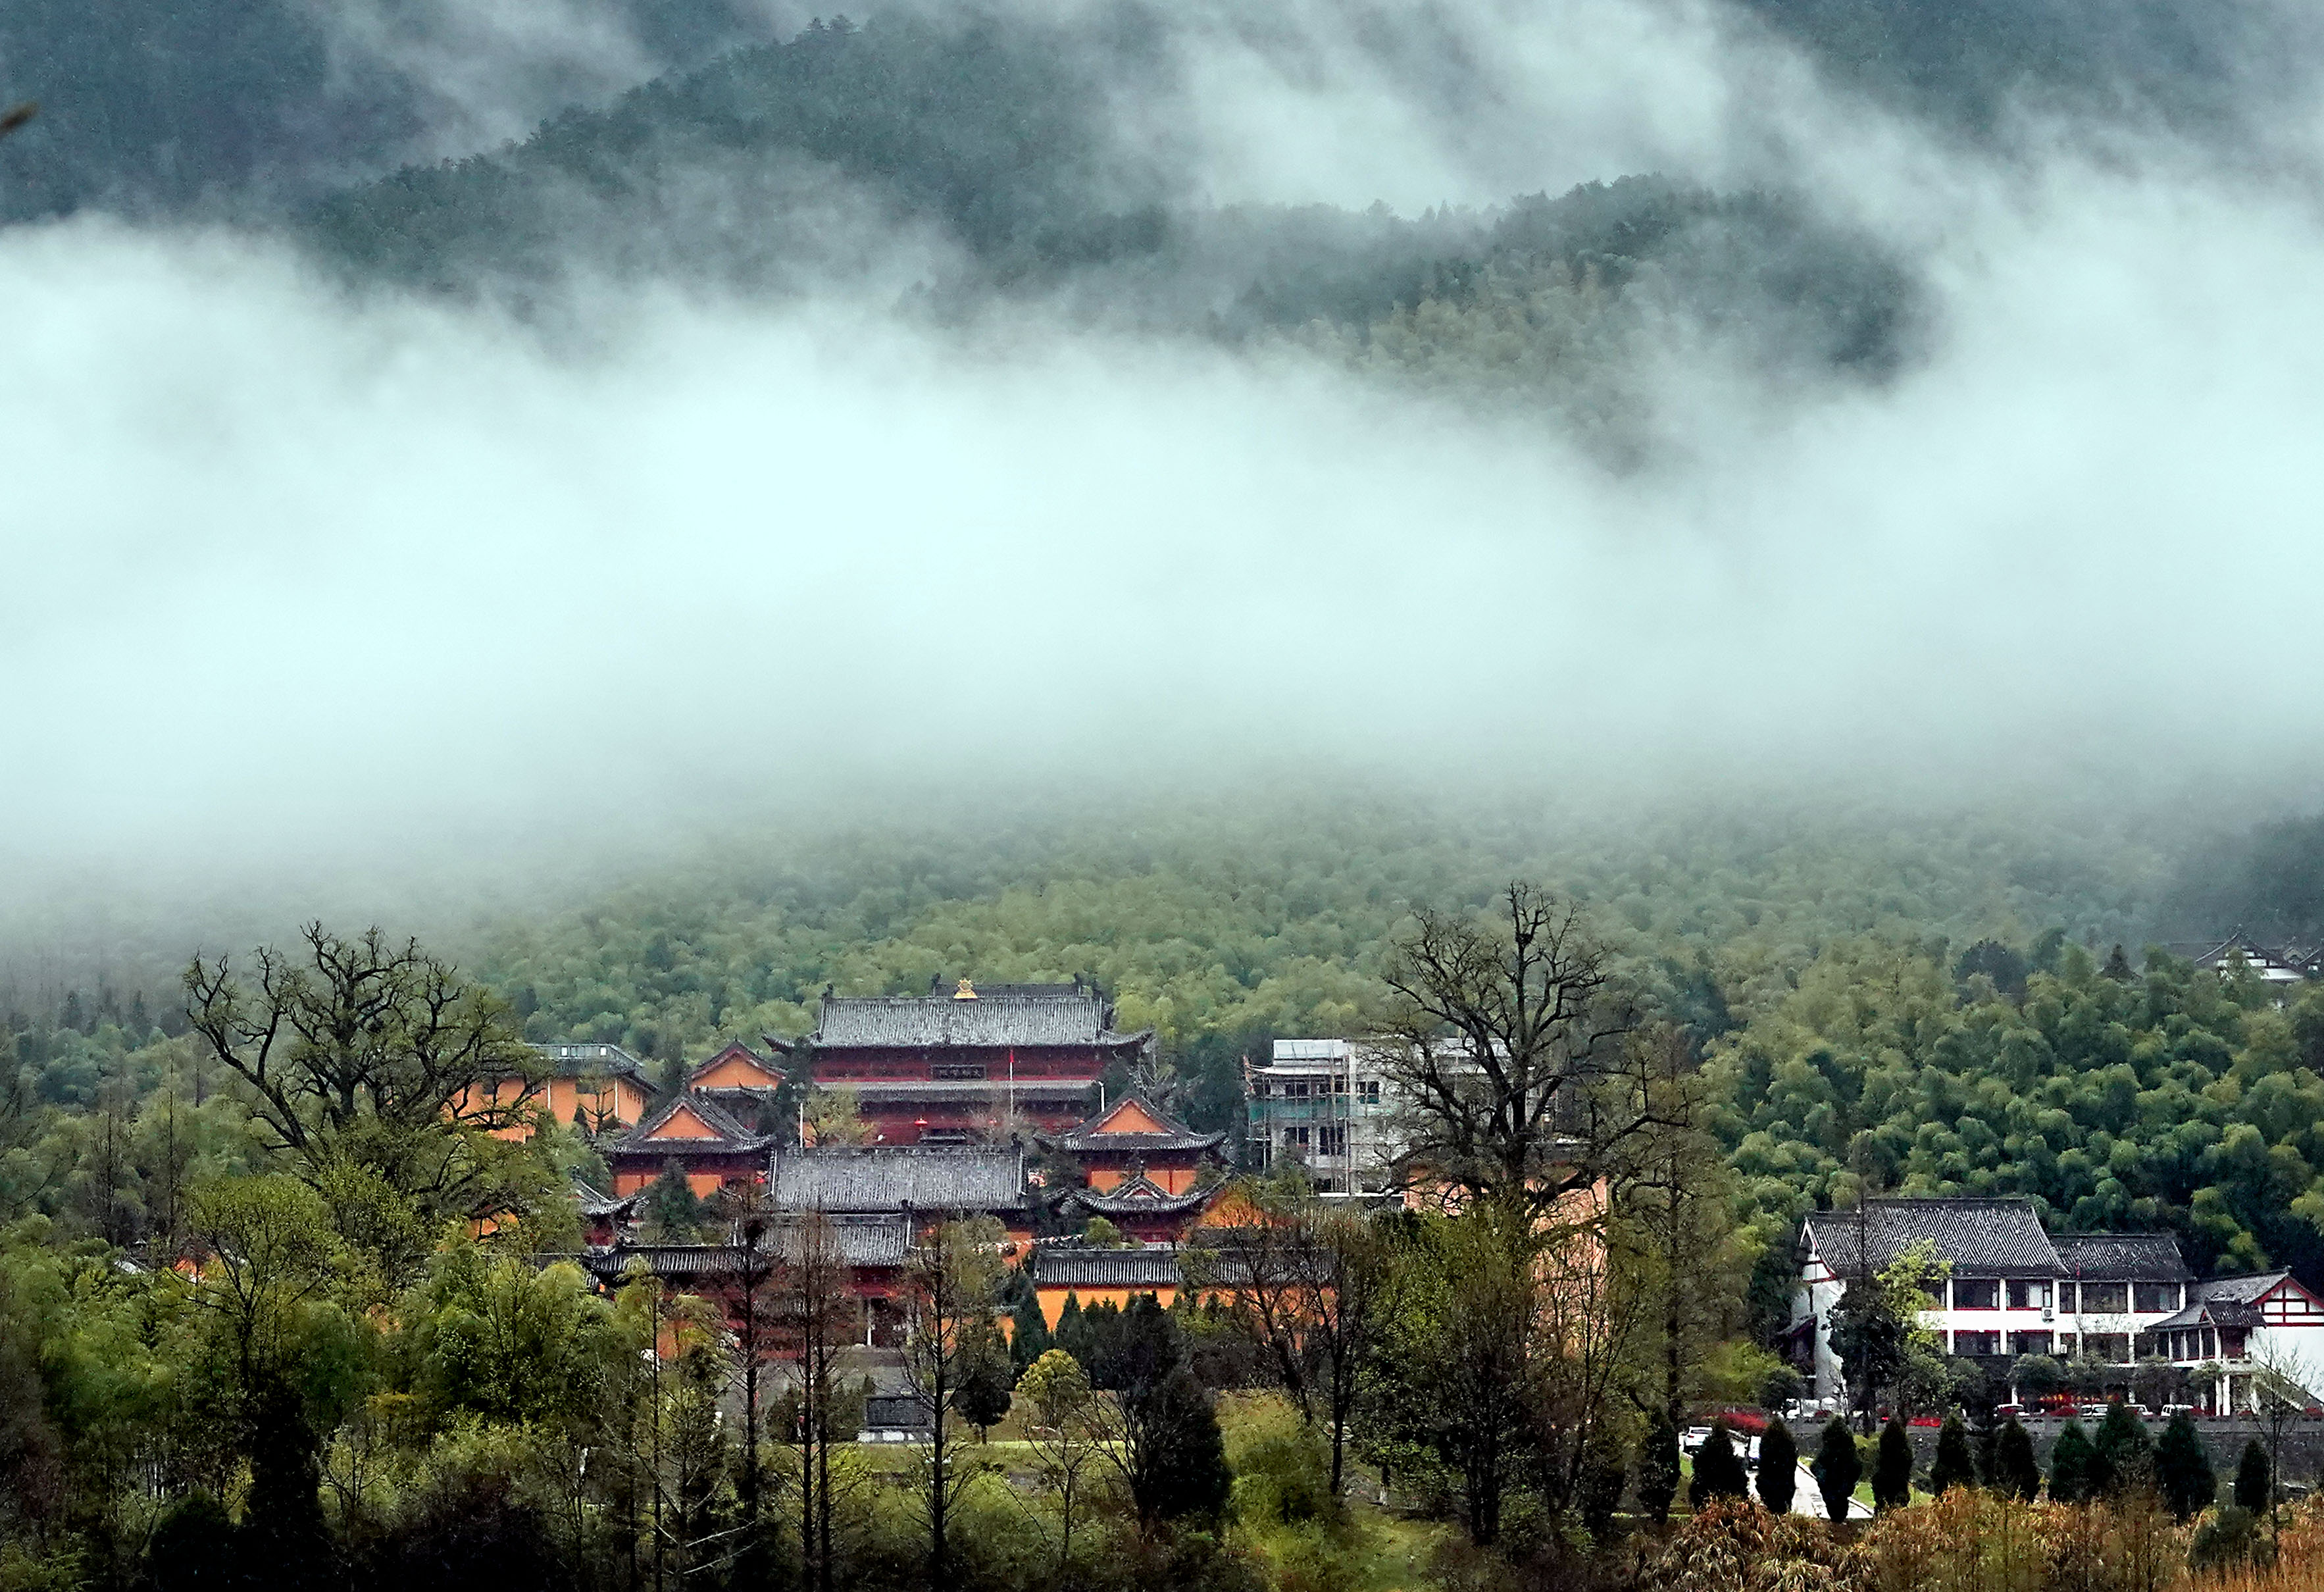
(994, 1021)
(1074, 1266)
(1141, 1196)
(1176, 1134)
(2143, 1258)
(927, 1178)
(1980, 1237)
(592, 1061)
(2238, 1290)
(735, 1136)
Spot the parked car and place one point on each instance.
(2010, 1412)
(2171, 1409)
(2091, 1411)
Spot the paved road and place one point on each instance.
(1807, 1499)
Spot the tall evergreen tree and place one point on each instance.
(2073, 1462)
(2126, 1454)
(1838, 1468)
(1953, 1467)
(1892, 1469)
(1074, 1335)
(2255, 1479)
(2014, 1472)
(2183, 1470)
(1717, 1469)
(1658, 1469)
(1779, 1467)
(1029, 1333)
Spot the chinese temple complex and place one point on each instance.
(972, 1063)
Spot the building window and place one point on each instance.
(1294, 1137)
(1294, 1091)
(2029, 1342)
(1976, 1293)
(1977, 1343)
(2150, 1297)
(2028, 1294)
(1370, 1090)
(2113, 1347)
(2105, 1298)
(1331, 1139)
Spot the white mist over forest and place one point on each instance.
(296, 569)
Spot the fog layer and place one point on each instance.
(290, 573)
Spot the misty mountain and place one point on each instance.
(244, 106)
(984, 156)
(2218, 70)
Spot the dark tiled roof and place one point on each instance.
(887, 1180)
(860, 1240)
(2143, 1258)
(678, 1261)
(1980, 1237)
(580, 1061)
(748, 1054)
(1078, 1017)
(1076, 1266)
(1175, 1135)
(735, 1137)
(2238, 1290)
(1139, 1196)
(595, 1202)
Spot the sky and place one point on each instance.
(291, 579)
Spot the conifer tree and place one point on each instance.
(1658, 1469)
(1953, 1467)
(1779, 1467)
(2126, 1454)
(2071, 1464)
(1717, 1469)
(1838, 1468)
(1073, 1334)
(2183, 1470)
(1029, 1333)
(2014, 1472)
(2255, 1479)
(1891, 1470)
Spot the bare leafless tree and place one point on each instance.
(368, 1053)
(1500, 1032)
(953, 1281)
(820, 1314)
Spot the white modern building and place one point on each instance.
(2015, 1289)
(1328, 1104)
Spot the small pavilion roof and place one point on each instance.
(729, 1135)
(1141, 1196)
(1167, 1133)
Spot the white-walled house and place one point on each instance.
(2016, 1289)
(2237, 1334)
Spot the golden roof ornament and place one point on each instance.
(966, 991)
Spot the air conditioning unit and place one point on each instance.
(2049, 1313)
